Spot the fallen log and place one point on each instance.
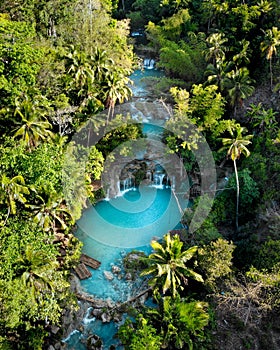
(89, 261)
(82, 271)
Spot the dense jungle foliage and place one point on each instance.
(63, 61)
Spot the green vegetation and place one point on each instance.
(62, 62)
(221, 60)
(168, 265)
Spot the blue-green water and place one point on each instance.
(109, 231)
(107, 331)
(133, 219)
(139, 89)
(112, 228)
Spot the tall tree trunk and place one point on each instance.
(7, 216)
(271, 74)
(237, 195)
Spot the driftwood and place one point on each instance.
(87, 260)
(137, 296)
(85, 297)
(82, 271)
(90, 299)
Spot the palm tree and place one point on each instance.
(242, 57)
(35, 268)
(216, 51)
(168, 265)
(214, 10)
(51, 213)
(237, 145)
(115, 89)
(81, 74)
(12, 190)
(180, 321)
(101, 63)
(217, 74)
(33, 127)
(239, 86)
(271, 41)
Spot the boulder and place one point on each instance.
(110, 303)
(54, 329)
(94, 342)
(106, 318)
(116, 269)
(108, 275)
(128, 276)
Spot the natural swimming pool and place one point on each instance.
(112, 228)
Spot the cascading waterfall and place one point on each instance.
(149, 63)
(158, 180)
(126, 185)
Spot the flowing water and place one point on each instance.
(116, 226)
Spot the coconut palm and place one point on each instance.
(35, 268)
(217, 49)
(217, 74)
(214, 10)
(115, 89)
(51, 212)
(81, 74)
(242, 57)
(237, 145)
(12, 190)
(101, 63)
(168, 265)
(239, 86)
(33, 126)
(269, 46)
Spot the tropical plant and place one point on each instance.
(139, 335)
(237, 145)
(168, 268)
(216, 74)
(215, 260)
(269, 46)
(101, 64)
(33, 126)
(76, 183)
(50, 211)
(242, 57)
(216, 50)
(181, 322)
(36, 268)
(115, 89)
(80, 75)
(12, 190)
(239, 86)
(263, 119)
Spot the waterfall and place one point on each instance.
(149, 63)
(126, 184)
(107, 198)
(173, 183)
(119, 189)
(87, 319)
(158, 179)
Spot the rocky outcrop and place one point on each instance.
(108, 275)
